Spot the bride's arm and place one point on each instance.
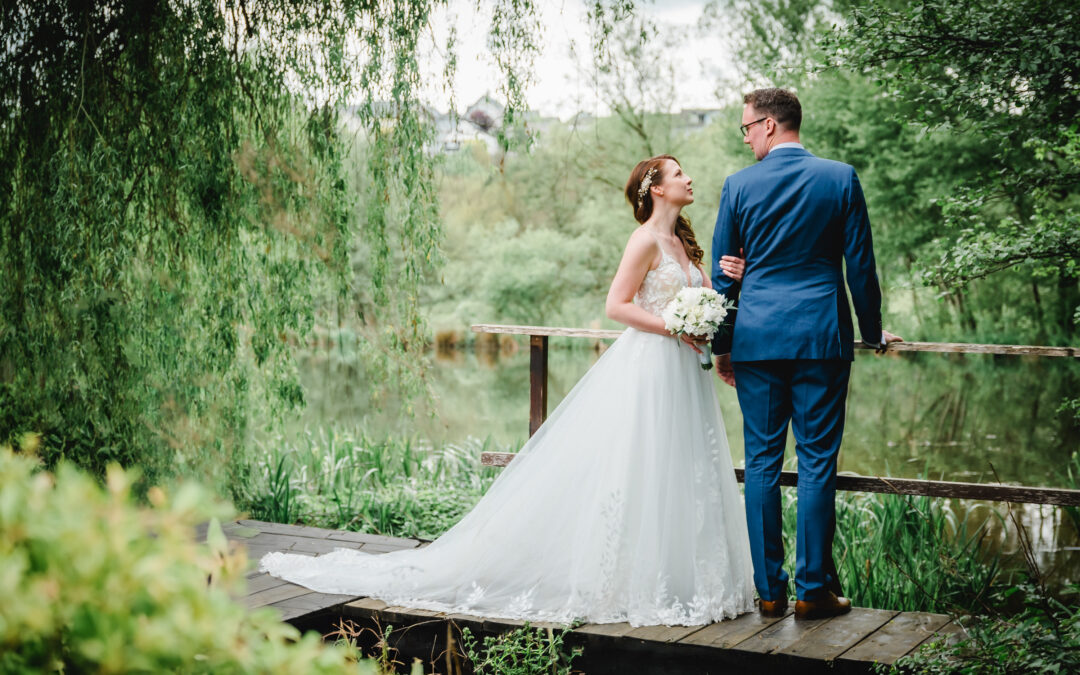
(638, 256)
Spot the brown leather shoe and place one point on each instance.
(829, 606)
(773, 608)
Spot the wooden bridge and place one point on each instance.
(750, 643)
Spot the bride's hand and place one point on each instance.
(695, 342)
(733, 266)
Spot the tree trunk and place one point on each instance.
(1068, 301)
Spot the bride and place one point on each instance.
(623, 506)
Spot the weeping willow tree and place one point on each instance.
(175, 184)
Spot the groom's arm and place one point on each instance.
(725, 241)
(862, 277)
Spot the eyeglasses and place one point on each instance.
(745, 128)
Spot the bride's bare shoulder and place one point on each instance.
(640, 241)
(641, 249)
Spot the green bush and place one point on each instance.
(92, 582)
(524, 651)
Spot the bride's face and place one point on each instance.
(675, 187)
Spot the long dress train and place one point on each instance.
(622, 507)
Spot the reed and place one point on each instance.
(908, 553)
(345, 479)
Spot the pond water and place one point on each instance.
(912, 415)
(947, 417)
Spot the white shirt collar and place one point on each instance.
(790, 144)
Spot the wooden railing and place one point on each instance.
(538, 358)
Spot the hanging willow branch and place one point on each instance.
(176, 179)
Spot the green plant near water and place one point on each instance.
(92, 582)
(346, 479)
(524, 651)
(912, 553)
(905, 553)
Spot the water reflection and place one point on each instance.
(949, 417)
(914, 415)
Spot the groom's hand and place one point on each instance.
(724, 370)
(887, 339)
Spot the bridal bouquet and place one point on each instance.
(697, 312)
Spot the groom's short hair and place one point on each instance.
(779, 104)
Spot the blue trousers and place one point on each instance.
(811, 394)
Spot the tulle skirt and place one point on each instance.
(622, 507)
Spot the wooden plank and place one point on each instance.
(389, 548)
(608, 630)
(401, 615)
(970, 348)
(496, 458)
(278, 542)
(280, 529)
(263, 581)
(665, 634)
(473, 623)
(900, 635)
(364, 608)
(545, 331)
(366, 538)
(599, 637)
(780, 635)
(538, 380)
(308, 604)
(292, 613)
(255, 553)
(950, 634)
(939, 347)
(309, 532)
(320, 546)
(938, 488)
(238, 531)
(314, 601)
(839, 634)
(902, 486)
(272, 595)
(501, 625)
(727, 634)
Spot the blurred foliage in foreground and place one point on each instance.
(93, 583)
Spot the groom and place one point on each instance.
(795, 217)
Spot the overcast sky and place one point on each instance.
(561, 86)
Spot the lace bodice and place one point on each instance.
(660, 285)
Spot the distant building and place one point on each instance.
(481, 121)
(694, 119)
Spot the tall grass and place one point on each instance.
(910, 553)
(345, 479)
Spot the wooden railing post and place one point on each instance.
(538, 370)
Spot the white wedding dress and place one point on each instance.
(622, 507)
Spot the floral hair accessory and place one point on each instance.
(645, 183)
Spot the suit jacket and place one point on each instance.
(796, 216)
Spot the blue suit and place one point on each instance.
(796, 218)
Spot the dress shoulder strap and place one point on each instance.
(657, 240)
